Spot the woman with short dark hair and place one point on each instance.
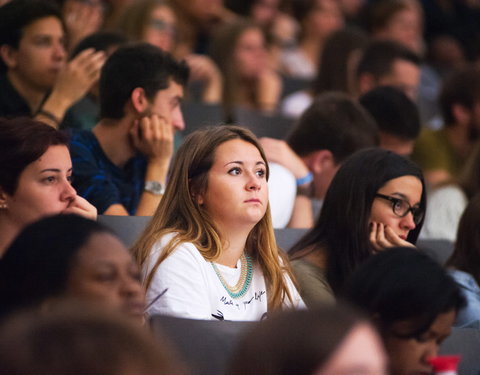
(68, 256)
(413, 302)
(35, 176)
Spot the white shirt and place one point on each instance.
(193, 289)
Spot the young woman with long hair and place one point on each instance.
(375, 201)
(209, 250)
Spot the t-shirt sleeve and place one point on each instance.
(314, 287)
(182, 280)
(90, 180)
(429, 153)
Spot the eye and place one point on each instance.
(261, 173)
(400, 205)
(234, 171)
(49, 179)
(70, 179)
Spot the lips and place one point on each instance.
(134, 308)
(253, 200)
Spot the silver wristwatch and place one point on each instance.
(154, 187)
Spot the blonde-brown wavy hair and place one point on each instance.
(180, 213)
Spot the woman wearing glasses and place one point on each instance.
(376, 201)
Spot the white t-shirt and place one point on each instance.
(193, 289)
(282, 191)
(296, 103)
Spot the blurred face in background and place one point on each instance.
(161, 29)
(250, 54)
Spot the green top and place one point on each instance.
(314, 287)
(433, 151)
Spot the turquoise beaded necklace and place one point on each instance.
(244, 281)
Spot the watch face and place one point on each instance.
(154, 187)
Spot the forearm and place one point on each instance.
(53, 109)
(156, 171)
(302, 215)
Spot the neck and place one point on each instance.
(311, 47)
(233, 246)
(114, 139)
(459, 138)
(9, 230)
(32, 95)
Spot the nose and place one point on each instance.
(408, 222)
(68, 192)
(253, 183)
(59, 52)
(131, 286)
(177, 119)
(430, 351)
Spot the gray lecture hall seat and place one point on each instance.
(198, 115)
(439, 249)
(128, 228)
(263, 125)
(466, 342)
(205, 345)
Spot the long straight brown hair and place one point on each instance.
(179, 213)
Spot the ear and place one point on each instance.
(461, 113)
(3, 199)
(9, 56)
(365, 82)
(139, 100)
(320, 161)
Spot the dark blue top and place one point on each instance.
(101, 182)
(11, 103)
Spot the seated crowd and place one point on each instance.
(382, 150)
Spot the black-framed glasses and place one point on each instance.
(401, 208)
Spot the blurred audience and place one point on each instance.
(69, 257)
(154, 22)
(328, 132)
(85, 113)
(397, 118)
(442, 153)
(323, 340)
(77, 339)
(336, 71)
(35, 78)
(385, 62)
(239, 49)
(464, 264)
(317, 20)
(412, 301)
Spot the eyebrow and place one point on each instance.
(404, 197)
(56, 170)
(242, 163)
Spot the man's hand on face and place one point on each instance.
(153, 135)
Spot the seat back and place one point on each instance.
(204, 345)
(466, 342)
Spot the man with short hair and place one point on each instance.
(35, 78)
(397, 118)
(121, 165)
(442, 153)
(329, 131)
(386, 62)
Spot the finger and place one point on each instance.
(146, 128)
(381, 240)
(373, 236)
(134, 133)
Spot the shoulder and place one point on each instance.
(296, 103)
